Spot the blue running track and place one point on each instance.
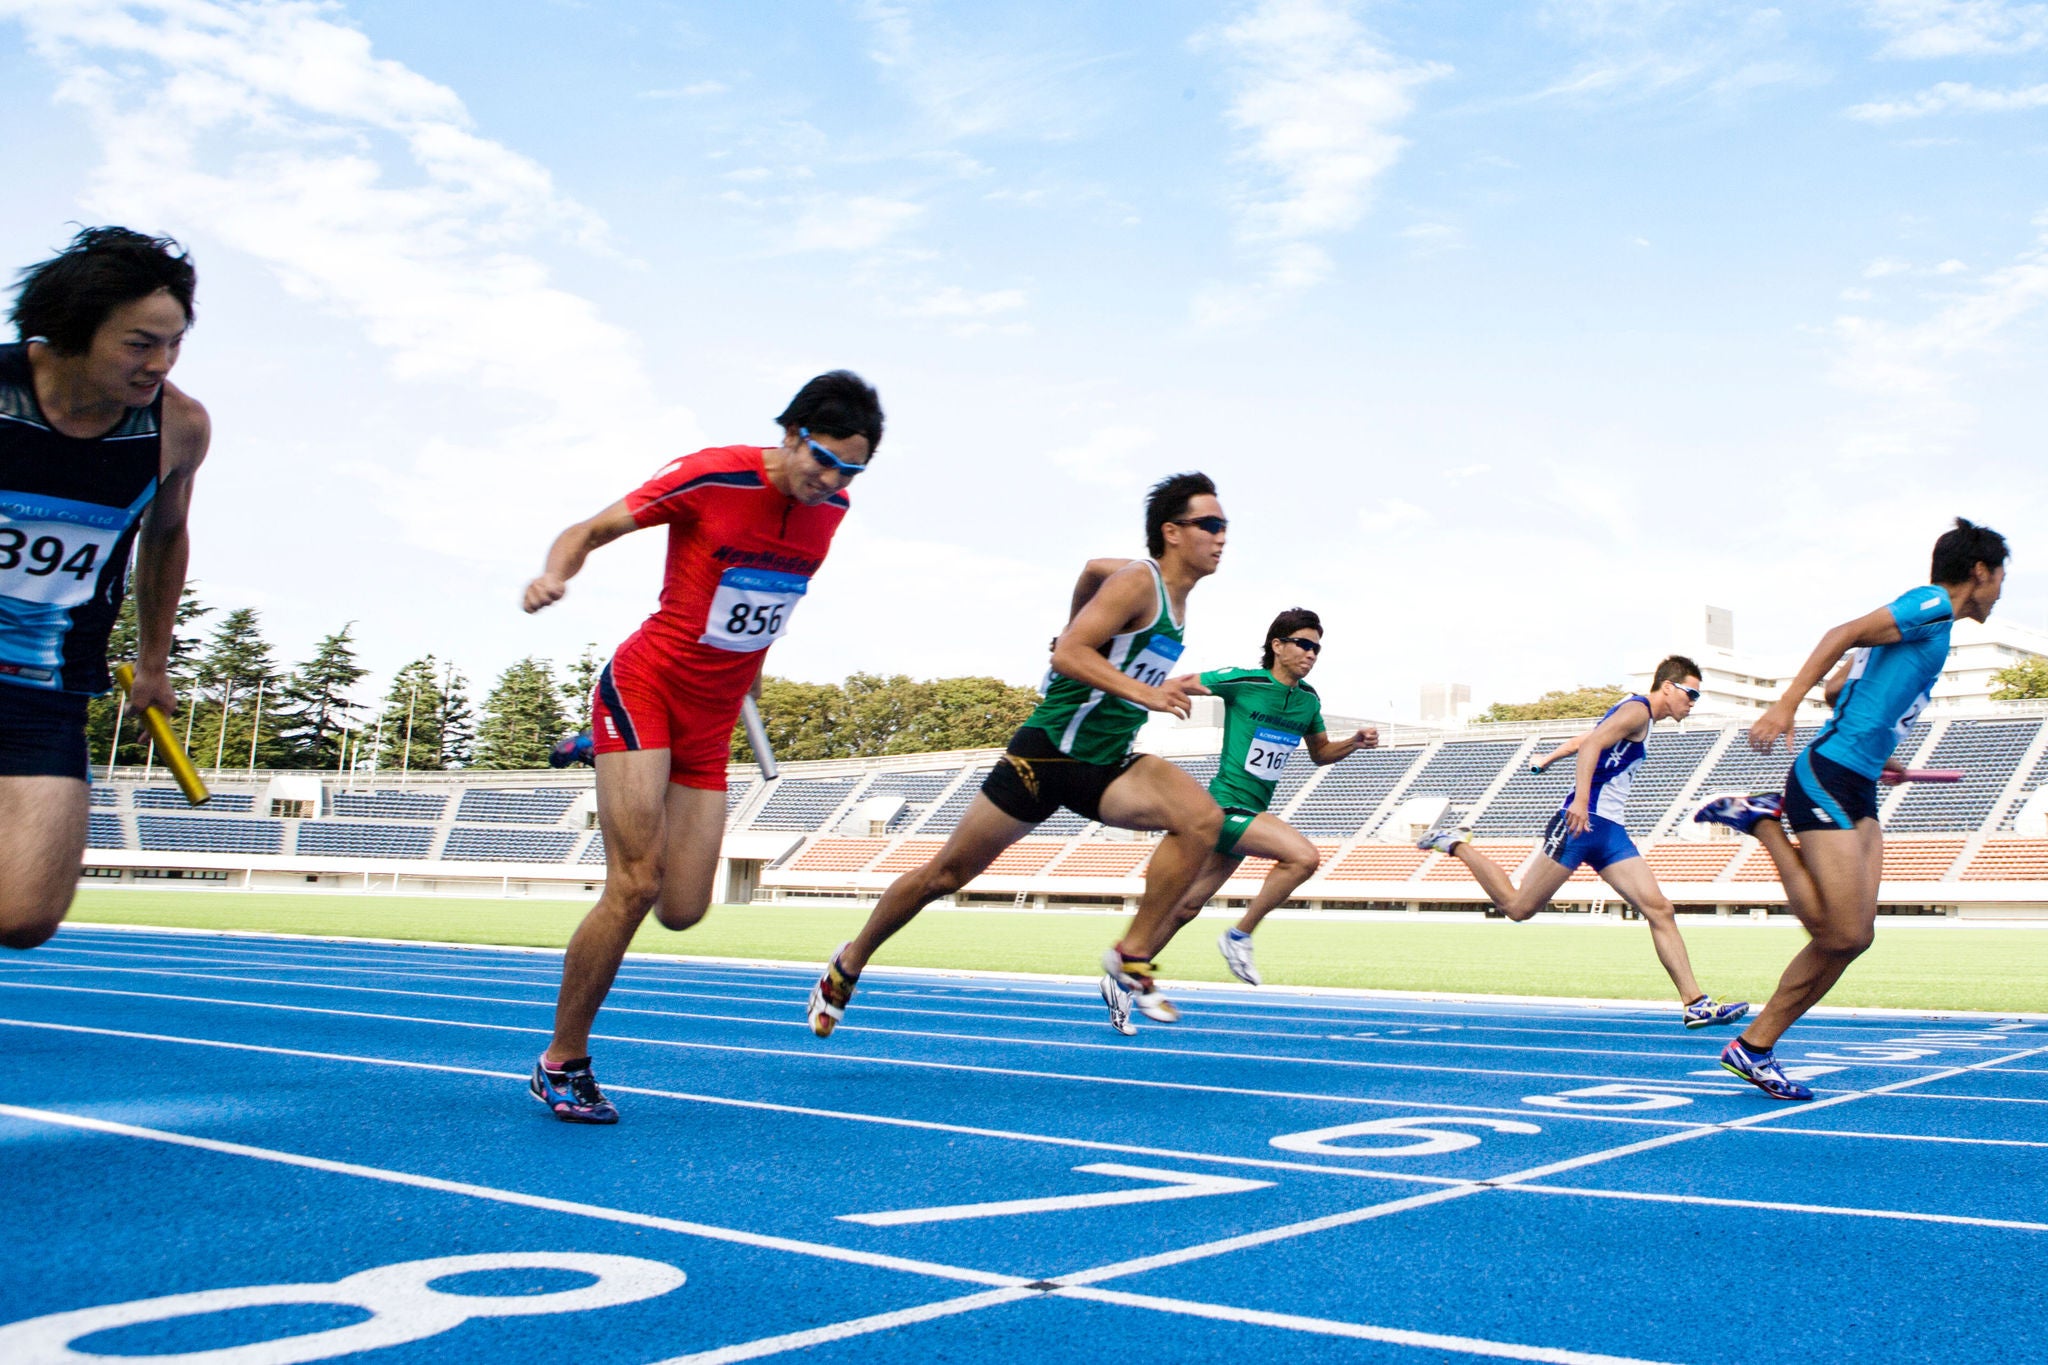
(245, 1150)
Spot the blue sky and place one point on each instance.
(1510, 333)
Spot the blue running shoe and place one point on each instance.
(1706, 1012)
(1762, 1071)
(1739, 810)
(573, 1095)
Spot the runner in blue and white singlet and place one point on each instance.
(97, 456)
(1831, 875)
(1591, 829)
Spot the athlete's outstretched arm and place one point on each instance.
(1324, 750)
(571, 548)
(1578, 817)
(1564, 750)
(1127, 601)
(163, 548)
(1880, 627)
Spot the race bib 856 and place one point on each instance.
(751, 608)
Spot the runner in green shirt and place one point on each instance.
(1110, 668)
(1267, 712)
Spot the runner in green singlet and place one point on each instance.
(1268, 711)
(1110, 667)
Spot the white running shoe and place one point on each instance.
(1119, 991)
(1237, 955)
(1446, 833)
(1156, 1007)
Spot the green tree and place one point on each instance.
(416, 715)
(456, 723)
(869, 715)
(580, 682)
(1560, 704)
(523, 718)
(2026, 679)
(236, 690)
(313, 703)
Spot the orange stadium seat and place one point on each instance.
(1255, 869)
(1919, 860)
(1756, 866)
(1025, 858)
(1376, 863)
(2009, 860)
(1684, 860)
(908, 856)
(1509, 853)
(1102, 859)
(838, 855)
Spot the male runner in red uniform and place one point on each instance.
(747, 529)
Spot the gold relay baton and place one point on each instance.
(175, 757)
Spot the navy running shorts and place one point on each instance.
(1604, 844)
(42, 734)
(1822, 794)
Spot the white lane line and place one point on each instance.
(1780, 1206)
(1900, 1137)
(968, 1068)
(767, 1106)
(1180, 1030)
(711, 1232)
(1987, 1099)
(1126, 1050)
(840, 1331)
(1294, 1322)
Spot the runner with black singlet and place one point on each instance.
(97, 456)
(1110, 667)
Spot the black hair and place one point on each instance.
(839, 404)
(1168, 501)
(67, 298)
(1677, 668)
(1284, 625)
(1963, 548)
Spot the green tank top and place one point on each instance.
(1090, 725)
(1263, 723)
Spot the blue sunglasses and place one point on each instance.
(827, 458)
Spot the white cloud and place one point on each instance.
(1315, 104)
(1434, 237)
(1635, 49)
(856, 223)
(1007, 73)
(1104, 457)
(1392, 514)
(1952, 96)
(694, 90)
(1886, 265)
(955, 302)
(360, 184)
(1958, 28)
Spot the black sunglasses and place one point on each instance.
(1691, 693)
(1312, 646)
(1213, 525)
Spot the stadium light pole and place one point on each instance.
(120, 713)
(256, 728)
(405, 762)
(220, 745)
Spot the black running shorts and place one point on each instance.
(1822, 794)
(1033, 779)
(42, 734)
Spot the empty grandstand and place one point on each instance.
(839, 831)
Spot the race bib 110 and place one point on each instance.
(751, 608)
(1268, 753)
(1155, 664)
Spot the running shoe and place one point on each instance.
(577, 748)
(1762, 1071)
(1706, 1012)
(573, 1095)
(1237, 955)
(1446, 834)
(830, 997)
(1119, 991)
(1739, 810)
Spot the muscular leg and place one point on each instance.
(45, 820)
(1517, 903)
(1208, 882)
(1638, 886)
(1295, 860)
(1802, 897)
(979, 839)
(696, 830)
(1154, 794)
(631, 810)
(1844, 866)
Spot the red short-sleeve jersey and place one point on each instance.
(740, 557)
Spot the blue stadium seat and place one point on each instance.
(472, 844)
(347, 840)
(1352, 790)
(389, 805)
(1987, 751)
(540, 807)
(104, 831)
(803, 804)
(204, 834)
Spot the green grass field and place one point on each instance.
(1915, 966)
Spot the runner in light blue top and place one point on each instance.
(1830, 798)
